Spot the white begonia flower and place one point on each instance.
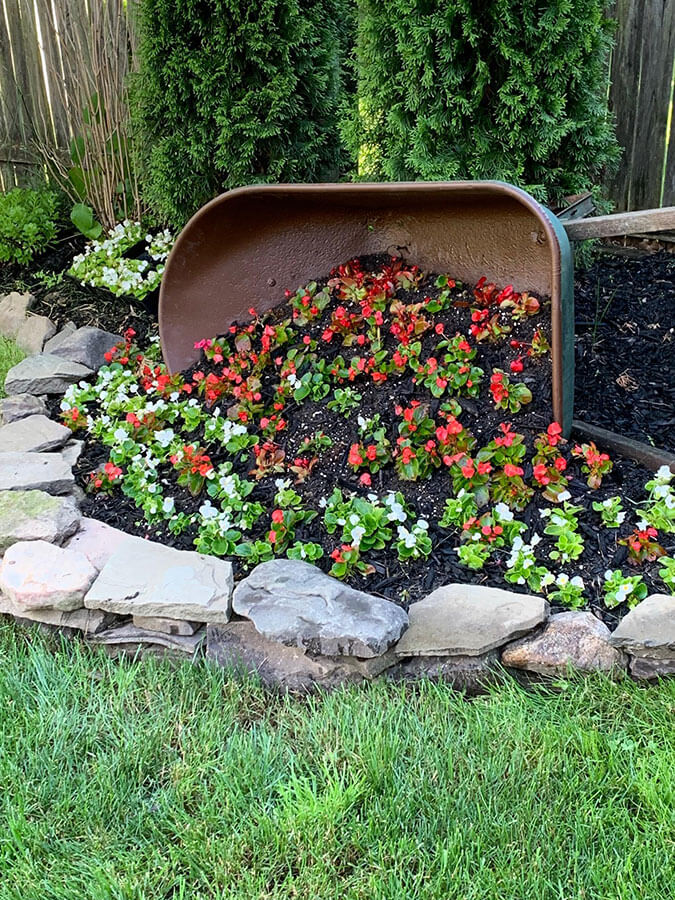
(663, 475)
(165, 436)
(406, 536)
(577, 581)
(608, 574)
(562, 579)
(207, 510)
(120, 435)
(517, 545)
(547, 578)
(564, 495)
(354, 519)
(357, 533)
(281, 484)
(373, 498)
(168, 505)
(620, 517)
(623, 591)
(504, 513)
(362, 423)
(323, 503)
(534, 540)
(661, 491)
(544, 513)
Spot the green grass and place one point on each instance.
(10, 355)
(146, 781)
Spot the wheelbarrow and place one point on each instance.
(247, 246)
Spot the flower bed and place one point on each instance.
(393, 427)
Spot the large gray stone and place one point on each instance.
(19, 406)
(87, 346)
(36, 516)
(44, 373)
(38, 575)
(142, 578)
(34, 434)
(469, 620)
(98, 541)
(648, 629)
(240, 647)
(647, 668)
(60, 337)
(33, 333)
(129, 639)
(294, 603)
(35, 471)
(13, 309)
(575, 639)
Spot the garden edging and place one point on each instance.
(288, 621)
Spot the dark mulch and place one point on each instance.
(625, 351)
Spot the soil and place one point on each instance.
(625, 349)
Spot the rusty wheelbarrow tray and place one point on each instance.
(246, 246)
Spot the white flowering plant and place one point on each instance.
(667, 572)
(611, 511)
(659, 508)
(620, 588)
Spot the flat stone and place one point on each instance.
(469, 620)
(576, 639)
(465, 673)
(87, 346)
(166, 626)
(38, 575)
(143, 578)
(71, 452)
(98, 541)
(35, 471)
(60, 337)
(648, 629)
(33, 332)
(648, 668)
(44, 373)
(239, 646)
(87, 620)
(293, 602)
(36, 516)
(132, 639)
(34, 434)
(13, 309)
(19, 406)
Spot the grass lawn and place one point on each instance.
(10, 355)
(142, 780)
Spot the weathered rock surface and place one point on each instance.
(87, 620)
(468, 620)
(648, 629)
(71, 452)
(575, 639)
(649, 667)
(239, 646)
(35, 471)
(44, 373)
(33, 332)
(142, 578)
(13, 309)
(36, 516)
(38, 575)
(98, 541)
(166, 626)
(87, 346)
(19, 406)
(60, 337)
(467, 673)
(130, 639)
(294, 603)
(34, 434)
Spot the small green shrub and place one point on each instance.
(28, 223)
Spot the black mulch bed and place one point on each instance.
(625, 352)
(410, 581)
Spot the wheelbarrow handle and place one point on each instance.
(643, 221)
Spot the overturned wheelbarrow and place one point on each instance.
(245, 247)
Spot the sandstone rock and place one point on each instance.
(36, 516)
(648, 629)
(98, 541)
(35, 471)
(239, 646)
(142, 578)
(44, 373)
(34, 434)
(71, 452)
(130, 639)
(87, 620)
(468, 620)
(19, 406)
(38, 575)
(60, 337)
(575, 639)
(13, 309)
(466, 673)
(648, 668)
(33, 332)
(166, 626)
(86, 346)
(294, 603)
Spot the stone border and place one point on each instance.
(287, 621)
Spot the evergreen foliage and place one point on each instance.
(504, 89)
(232, 92)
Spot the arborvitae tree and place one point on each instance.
(233, 92)
(505, 89)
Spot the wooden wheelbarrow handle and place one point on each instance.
(644, 221)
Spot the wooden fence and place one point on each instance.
(34, 83)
